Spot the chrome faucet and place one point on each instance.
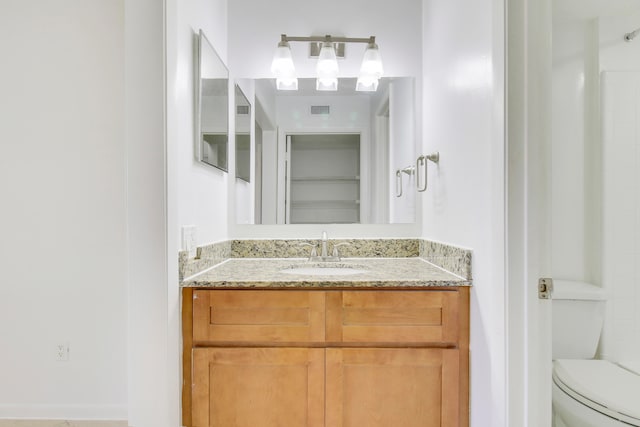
(323, 253)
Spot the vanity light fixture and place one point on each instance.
(283, 68)
(327, 66)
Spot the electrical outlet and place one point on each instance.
(62, 352)
(189, 240)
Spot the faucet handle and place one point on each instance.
(336, 254)
(314, 250)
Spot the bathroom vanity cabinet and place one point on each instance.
(319, 357)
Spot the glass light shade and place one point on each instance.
(367, 83)
(327, 62)
(282, 64)
(330, 83)
(327, 68)
(372, 62)
(290, 83)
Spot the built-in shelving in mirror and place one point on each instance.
(212, 106)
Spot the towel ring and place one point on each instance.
(409, 170)
(421, 163)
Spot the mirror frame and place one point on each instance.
(203, 43)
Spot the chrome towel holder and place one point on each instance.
(421, 163)
(409, 170)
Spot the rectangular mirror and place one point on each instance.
(243, 135)
(332, 157)
(212, 106)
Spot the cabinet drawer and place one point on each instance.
(393, 317)
(258, 316)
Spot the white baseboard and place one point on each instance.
(63, 412)
(60, 423)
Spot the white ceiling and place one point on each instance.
(569, 10)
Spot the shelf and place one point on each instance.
(332, 222)
(326, 204)
(326, 178)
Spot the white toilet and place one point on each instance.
(587, 392)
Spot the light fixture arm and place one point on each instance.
(327, 38)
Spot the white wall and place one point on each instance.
(593, 221)
(201, 190)
(576, 149)
(615, 53)
(620, 64)
(463, 80)
(402, 150)
(63, 220)
(153, 383)
(569, 192)
(196, 193)
(621, 196)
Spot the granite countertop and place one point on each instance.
(378, 273)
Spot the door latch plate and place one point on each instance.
(545, 288)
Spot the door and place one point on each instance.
(528, 211)
(382, 387)
(265, 387)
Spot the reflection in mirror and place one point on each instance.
(212, 122)
(331, 157)
(323, 178)
(243, 136)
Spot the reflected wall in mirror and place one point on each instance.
(243, 135)
(332, 157)
(212, 106)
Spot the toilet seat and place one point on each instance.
(602, 386)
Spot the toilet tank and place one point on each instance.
(578, 314)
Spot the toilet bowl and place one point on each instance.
(588, 392)
(595, 393)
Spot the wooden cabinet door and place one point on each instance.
(393, 317)
(258, 387)
(258, 317)
(382, 387)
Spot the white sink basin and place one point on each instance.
(329, 270)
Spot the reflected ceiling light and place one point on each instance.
(327, 66)
(283, 68)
